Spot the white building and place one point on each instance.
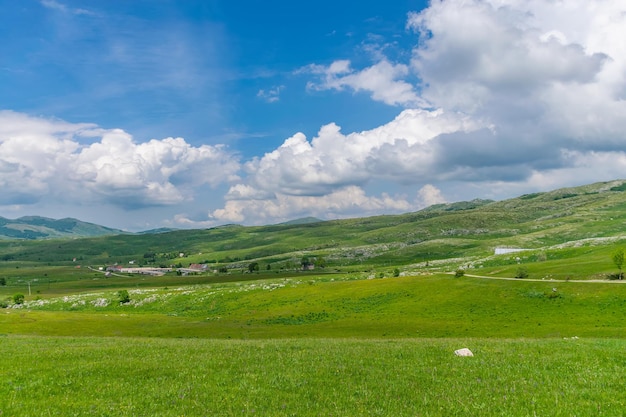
(503, 251)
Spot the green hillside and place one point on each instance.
(447, 231)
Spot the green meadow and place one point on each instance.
(98, 376)
(370, 331)
(325, 346)
(431, 306)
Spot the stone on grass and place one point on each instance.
(463, 352)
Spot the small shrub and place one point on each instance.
(123, 296)
(553, 295)
(521, 272)
(396, 272)
(459, 273)
(18, 298)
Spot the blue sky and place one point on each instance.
(147, 114)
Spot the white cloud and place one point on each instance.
(429, 195)
(47, 159)
(324, 177)
(512, 63)
(272, 95)
(332, 159)
(183, 221)
(343, 202)
(55, 5)
(382, 80)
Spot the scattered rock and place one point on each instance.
(463, 352)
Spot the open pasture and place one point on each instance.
(98, 376)
(416, 306)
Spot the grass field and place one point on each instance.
(310, 377)
(320, 347)
(416, 306)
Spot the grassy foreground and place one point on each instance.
(324, 347)
(310, 377)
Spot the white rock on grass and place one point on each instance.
(463, 352)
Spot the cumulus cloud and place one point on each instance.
(429, 195)
(525, 62)
(325, 177)
(346, 201)
(516, 95)
(382, 80)
(399, 150)
(544, 83)
(44, 158)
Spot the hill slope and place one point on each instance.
(440, 232)
(35, 227)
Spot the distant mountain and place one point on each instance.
(36, 227)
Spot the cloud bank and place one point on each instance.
(83, 163)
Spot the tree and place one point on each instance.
(254, 266)
(396, 272)
(3, 281)
(459, 273)
(618, 260)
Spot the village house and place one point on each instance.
(198, 267)
(114, 268)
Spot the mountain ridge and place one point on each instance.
(39, 227)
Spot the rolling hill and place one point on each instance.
(443, 231)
